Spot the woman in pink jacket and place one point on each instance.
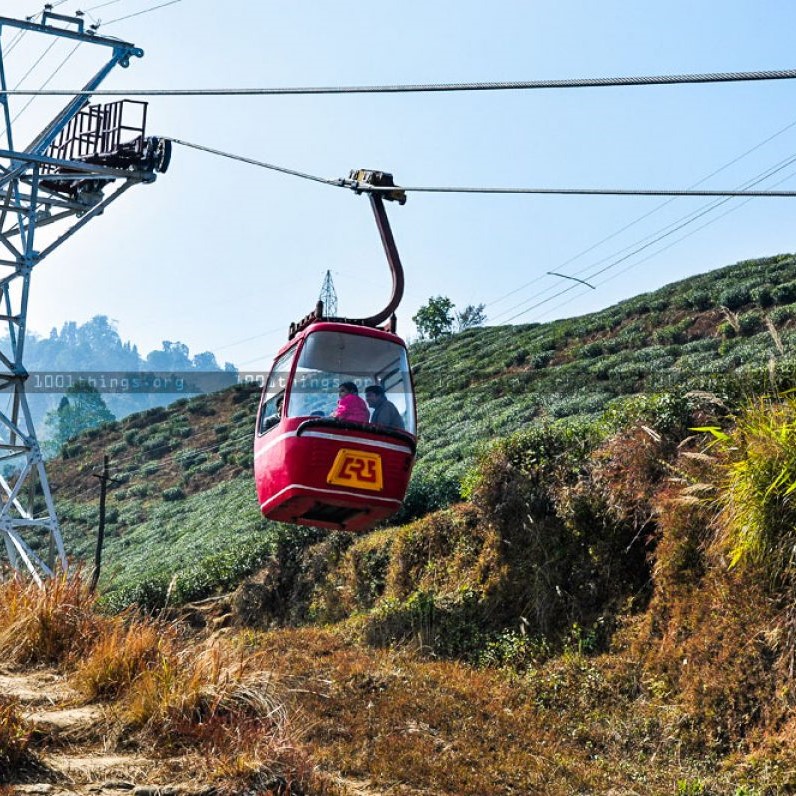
(350, 406)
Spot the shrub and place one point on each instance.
(699, 299)
(173, 493)
(758, 514)
(211, 467)
(784, 293)
(781, 315)
(430, 489)
(750, 323)
(763, 296)
(735, 297)
(156, 447)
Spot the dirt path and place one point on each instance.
(76, 752)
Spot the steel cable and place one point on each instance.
(512, 85)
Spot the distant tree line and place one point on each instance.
(95, 346)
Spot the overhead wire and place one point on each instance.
(103, 5)
(644, 216)
(672, 228)
(140, 460)
(513, 85)
(137, 14)
(770, 171)
(727, 212)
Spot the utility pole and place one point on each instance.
(67, 174)
(104, 477)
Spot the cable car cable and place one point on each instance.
(512, 85)
(252, 162)
(354, 185)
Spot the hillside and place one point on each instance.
(590, 589)
(186, 503)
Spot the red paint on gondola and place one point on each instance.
(312, 469)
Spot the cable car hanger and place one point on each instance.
(378, 185)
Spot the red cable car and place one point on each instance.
(321, 458)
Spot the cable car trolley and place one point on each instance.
(336, 428)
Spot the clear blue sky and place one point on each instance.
(223, 256)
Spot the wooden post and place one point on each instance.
(104, 478)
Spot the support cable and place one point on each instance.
(513, 85)
(354, 185)
(138, 14)
(292, 172)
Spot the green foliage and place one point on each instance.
(735, 296)
(81, 409)
(760, 478)
(750, 323)
(435, 319)
(173, 493)
(784, 293)
(763, 296)
(470, 317)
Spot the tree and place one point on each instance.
(81, 408)
(172, 358)
(435, 319)
(470, 317)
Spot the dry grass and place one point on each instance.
(53, 625)
(213, 710)
(573, 725)
(14, 738)
(124, 649)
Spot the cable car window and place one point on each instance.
(328, 359)
(274, 391)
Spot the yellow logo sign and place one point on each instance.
(356, 469)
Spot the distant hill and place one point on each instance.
(96, 347)
(187, 502)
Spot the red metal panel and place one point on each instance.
(300, 478)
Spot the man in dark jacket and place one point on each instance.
(384, 412)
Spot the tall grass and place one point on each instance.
(54, 624)
(757, 495)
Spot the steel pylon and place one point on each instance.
(68, 174)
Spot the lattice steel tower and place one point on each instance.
(328, 296)
(48, 191)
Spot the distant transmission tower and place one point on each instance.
(328, 296)
(48, 191)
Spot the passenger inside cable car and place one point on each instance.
(332, 362)
(384, 412)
